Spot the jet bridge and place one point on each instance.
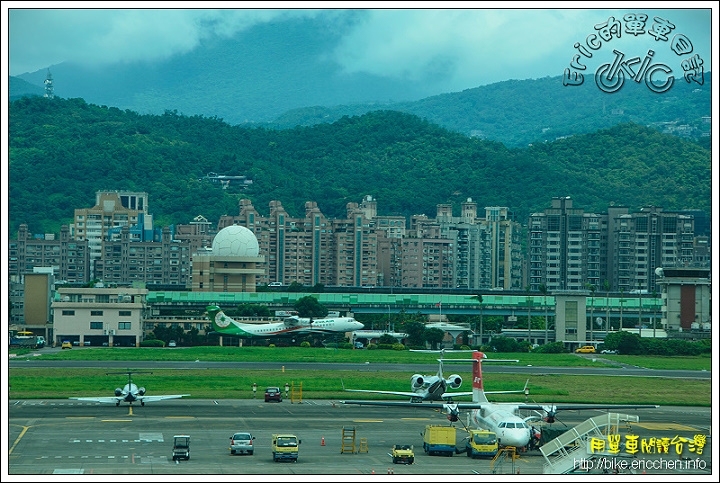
(564, 453)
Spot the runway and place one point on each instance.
(53, 437)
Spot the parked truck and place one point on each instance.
(403, 453)
(439, 440)
(26, 339)
(481, 443)
(285, 447)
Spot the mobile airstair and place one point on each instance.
(565, 453)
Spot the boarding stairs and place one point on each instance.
(565, 453)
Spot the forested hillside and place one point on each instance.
(62, 151)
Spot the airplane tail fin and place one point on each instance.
(477, 382)
(217, 317)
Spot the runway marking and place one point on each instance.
(665, 426)
(68, 471)
(116, 420)
(415, 419)
(368, 420)
(79, 417)
(179, 417)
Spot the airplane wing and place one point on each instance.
(426, 405)
(582, 407)
(160, 398)
(392, 393)
(107, 400)
(446, 395)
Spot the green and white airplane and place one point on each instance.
(290, 326)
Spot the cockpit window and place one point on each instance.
(501, 425)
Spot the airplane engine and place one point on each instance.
(141, 391)
(454, 381)
(118, 391)
(417, 381)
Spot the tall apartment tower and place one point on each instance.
(564, 248)
(113, 209)
(647, 240)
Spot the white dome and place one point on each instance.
(235, 241)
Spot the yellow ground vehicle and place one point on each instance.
(481, 443)
(439, 440)
(66, 345)
(285, 447)
(585, 349)
(403, 453)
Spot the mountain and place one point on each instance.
(276, 75)
(62, 151)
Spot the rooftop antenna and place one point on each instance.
(49, 86)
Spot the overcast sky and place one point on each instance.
(468, 47)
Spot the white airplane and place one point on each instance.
(502, 418)
(432, 387)
(294, 325)
(129, 394)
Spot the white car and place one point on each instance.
(608, 351)
(172, 344)
(275, 284)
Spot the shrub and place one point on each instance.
(551, 348)
(304, 344)
(372, 347)
(398, 347)
(464, 347)
(272, 345)
(152, 343)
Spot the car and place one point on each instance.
(585, 349)
(275, 284)
(242, 443)
(172, 343)
(273, 394)
(86, 342)
(359, 345)
(76, 342)
(66, 344)
(608, 351)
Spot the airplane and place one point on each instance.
(129, 394)
(504, 419)
(433, 387)
(294, 325)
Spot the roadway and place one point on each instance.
(62, 437)
(618, 370)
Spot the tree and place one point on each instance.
(415, 331)
(434, 337)
(309, 306)
(591, 287)
(479, 298)
(542, 288)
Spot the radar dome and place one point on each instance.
(235, 241)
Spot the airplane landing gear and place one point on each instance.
(117, 403)
(142, 403)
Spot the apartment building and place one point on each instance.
(112, 209)
(123, 260)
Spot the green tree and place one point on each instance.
(434, 337)
(309, 306)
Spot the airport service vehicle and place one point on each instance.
(481, 443)
(242, 443)
(26, 339)
(273, 394)
(181, 447)
(585, 349)
(439, 440)
(285, 447)
(403, 453)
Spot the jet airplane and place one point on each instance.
(223, 324)
(129, 394)
(504, 419)
(432, 387)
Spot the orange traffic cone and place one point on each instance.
(373, 471)
(323, 441)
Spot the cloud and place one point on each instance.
(453, 48)
(43, 37)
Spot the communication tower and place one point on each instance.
(49, 86)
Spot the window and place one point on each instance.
(96, 325)
(124, 325)
(68, 312)
(124, 313)
(96, 313)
